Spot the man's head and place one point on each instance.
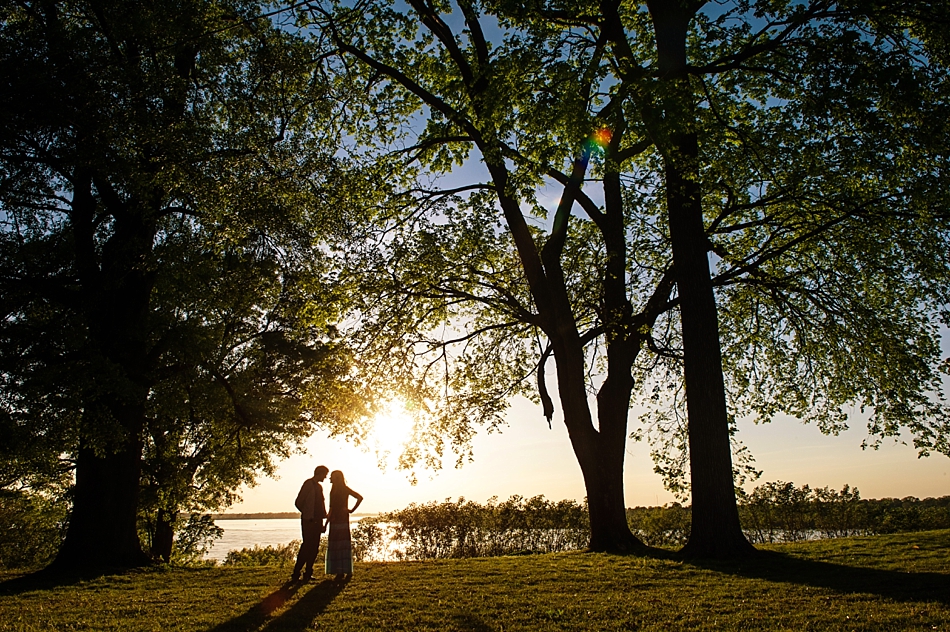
(321, 472)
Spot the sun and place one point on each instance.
(392, 427)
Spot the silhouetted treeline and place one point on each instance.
(782, 512)
(280, 515)
(773, 512)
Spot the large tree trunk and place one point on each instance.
(602, 468)
(716, 531)
(116, 286)
(103, 524)
(603, 479)
(600, 460)
(600, 452)
(102, 529)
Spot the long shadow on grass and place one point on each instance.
(470, 622)
(298, 617)
(47, 580)
(780, 567)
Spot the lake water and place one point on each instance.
(244, 534)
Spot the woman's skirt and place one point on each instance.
(339, 552)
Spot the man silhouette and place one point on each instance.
(313, 514)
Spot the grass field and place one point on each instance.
(899, 582)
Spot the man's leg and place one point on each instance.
(304, 554)
(313, 540)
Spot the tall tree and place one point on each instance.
(800, 145)
(143, 144)
(250, 372)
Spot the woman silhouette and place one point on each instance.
(339, 553)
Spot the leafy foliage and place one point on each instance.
(782, 512)
(193, 537)
(31, 528)
(167, 174)
(822, 146)
(280, 555)
(468, 529)
(666, 526)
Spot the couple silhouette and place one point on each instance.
(315, 519)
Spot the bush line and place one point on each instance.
(32, 527)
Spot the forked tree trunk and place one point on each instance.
(603, 480)
(600, 454)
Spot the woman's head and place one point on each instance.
(336, 476)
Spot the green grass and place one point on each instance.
(899, 582)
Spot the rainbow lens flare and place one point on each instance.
(596, 143)
(602, 137)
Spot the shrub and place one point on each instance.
(839, 514)
(893, 515)
(778, 512)
(32, 527)
(667, 526)
(468, 529)
(280, 555)
(782, 512)
(194, 538)
(369, 539)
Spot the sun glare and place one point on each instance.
(392, 428)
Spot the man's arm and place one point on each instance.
(320, 510)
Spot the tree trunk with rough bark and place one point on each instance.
(115, 286)
(716, 531)
(600, 451)
(600, 454)
(103, 529)
(602, 467)
(164, 536)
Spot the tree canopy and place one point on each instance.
(739, 208)
(163, 186)
(219, 230)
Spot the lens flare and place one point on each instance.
(596, 144)
(602, 137)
